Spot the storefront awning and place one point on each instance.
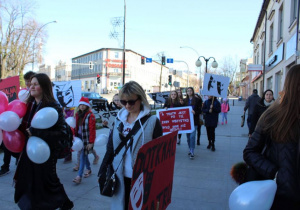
(257, 77)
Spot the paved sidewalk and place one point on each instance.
(203, 183)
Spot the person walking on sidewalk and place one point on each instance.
(200, 113)
(86, 130)
(224, 109)
(262, 105)
(7, 154)
(181, 101)
(278, 131)
(250, 104)
(136, 127)
(195, 103)
(37, 186)
(211, 108)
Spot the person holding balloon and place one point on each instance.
(37, 185)
(86, 130)
(278, 134)
(7, 153)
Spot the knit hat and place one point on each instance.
(84, 101)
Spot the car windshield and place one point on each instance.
(86, 95)
(91, 95)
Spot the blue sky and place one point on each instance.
(215, 28)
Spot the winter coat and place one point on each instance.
(225, 107)
(39, 181)
(88, 127)
(197, 108)
(259, 109)
(151, 129)
(278, 157)
(211, 119)
(171, 105)
(251, 102)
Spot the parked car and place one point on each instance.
(98, 102)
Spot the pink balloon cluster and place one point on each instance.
(10, 119)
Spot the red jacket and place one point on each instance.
(88, 127)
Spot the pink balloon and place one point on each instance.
(14, 141)
(3, 102)
(17, 107)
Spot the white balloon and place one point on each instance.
(44, 118)
(37, 150)
(258, 195)
(77, 144)
(101, 139)
(1, 136)
(23, 95)
(9, 121)
(71, 122)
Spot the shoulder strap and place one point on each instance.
(133, 131)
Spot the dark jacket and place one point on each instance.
(40, 181)
(168, 105)
(259, 109)
(211, 119)
(197, 107)
(251, 102)
(278, 157)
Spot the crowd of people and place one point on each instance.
(269, 126)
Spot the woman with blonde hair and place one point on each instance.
(133, 127)
(278, 133)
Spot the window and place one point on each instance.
(262, 52)
(271, 39)
(111, 83)
(278, 84)
(270, 83)
(116, 55)
(280, 23)
(257, 58)
(294, 6)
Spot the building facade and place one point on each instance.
(62, 71)
(275, 44)
(108, 64)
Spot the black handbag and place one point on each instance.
(108, 181)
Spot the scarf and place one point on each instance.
(268, 103)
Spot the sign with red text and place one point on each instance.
(153, 171)
(179, 118)
(11, 87)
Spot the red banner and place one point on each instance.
(152, 177)
(178, 119)
(11, 87)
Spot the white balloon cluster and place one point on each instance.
(101, 139)
(77, 144)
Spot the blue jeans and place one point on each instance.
(84, 161)
(224, 115)
(191, 139)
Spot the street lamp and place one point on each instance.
(124, 49)
(35, 38)
(199, 63)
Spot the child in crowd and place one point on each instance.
(224, 109)
(86, 130)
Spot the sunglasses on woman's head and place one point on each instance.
(130, 102)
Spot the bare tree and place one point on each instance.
(229, 67)
(18, 32)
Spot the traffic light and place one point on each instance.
(142, 60)
(98, 79)
(163, 60)
(170, 79)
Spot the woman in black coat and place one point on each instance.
(37, 185)
(211, 108)
(279, 129)
(260, 107)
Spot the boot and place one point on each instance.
(198, 141)
(209, 144)
(213, 146)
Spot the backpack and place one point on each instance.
(65, 144)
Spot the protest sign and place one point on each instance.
(10, 86)
(109, 116)
(67, 93)
(152, 177)
(179, 118)
(159, 97)
(215, 85)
